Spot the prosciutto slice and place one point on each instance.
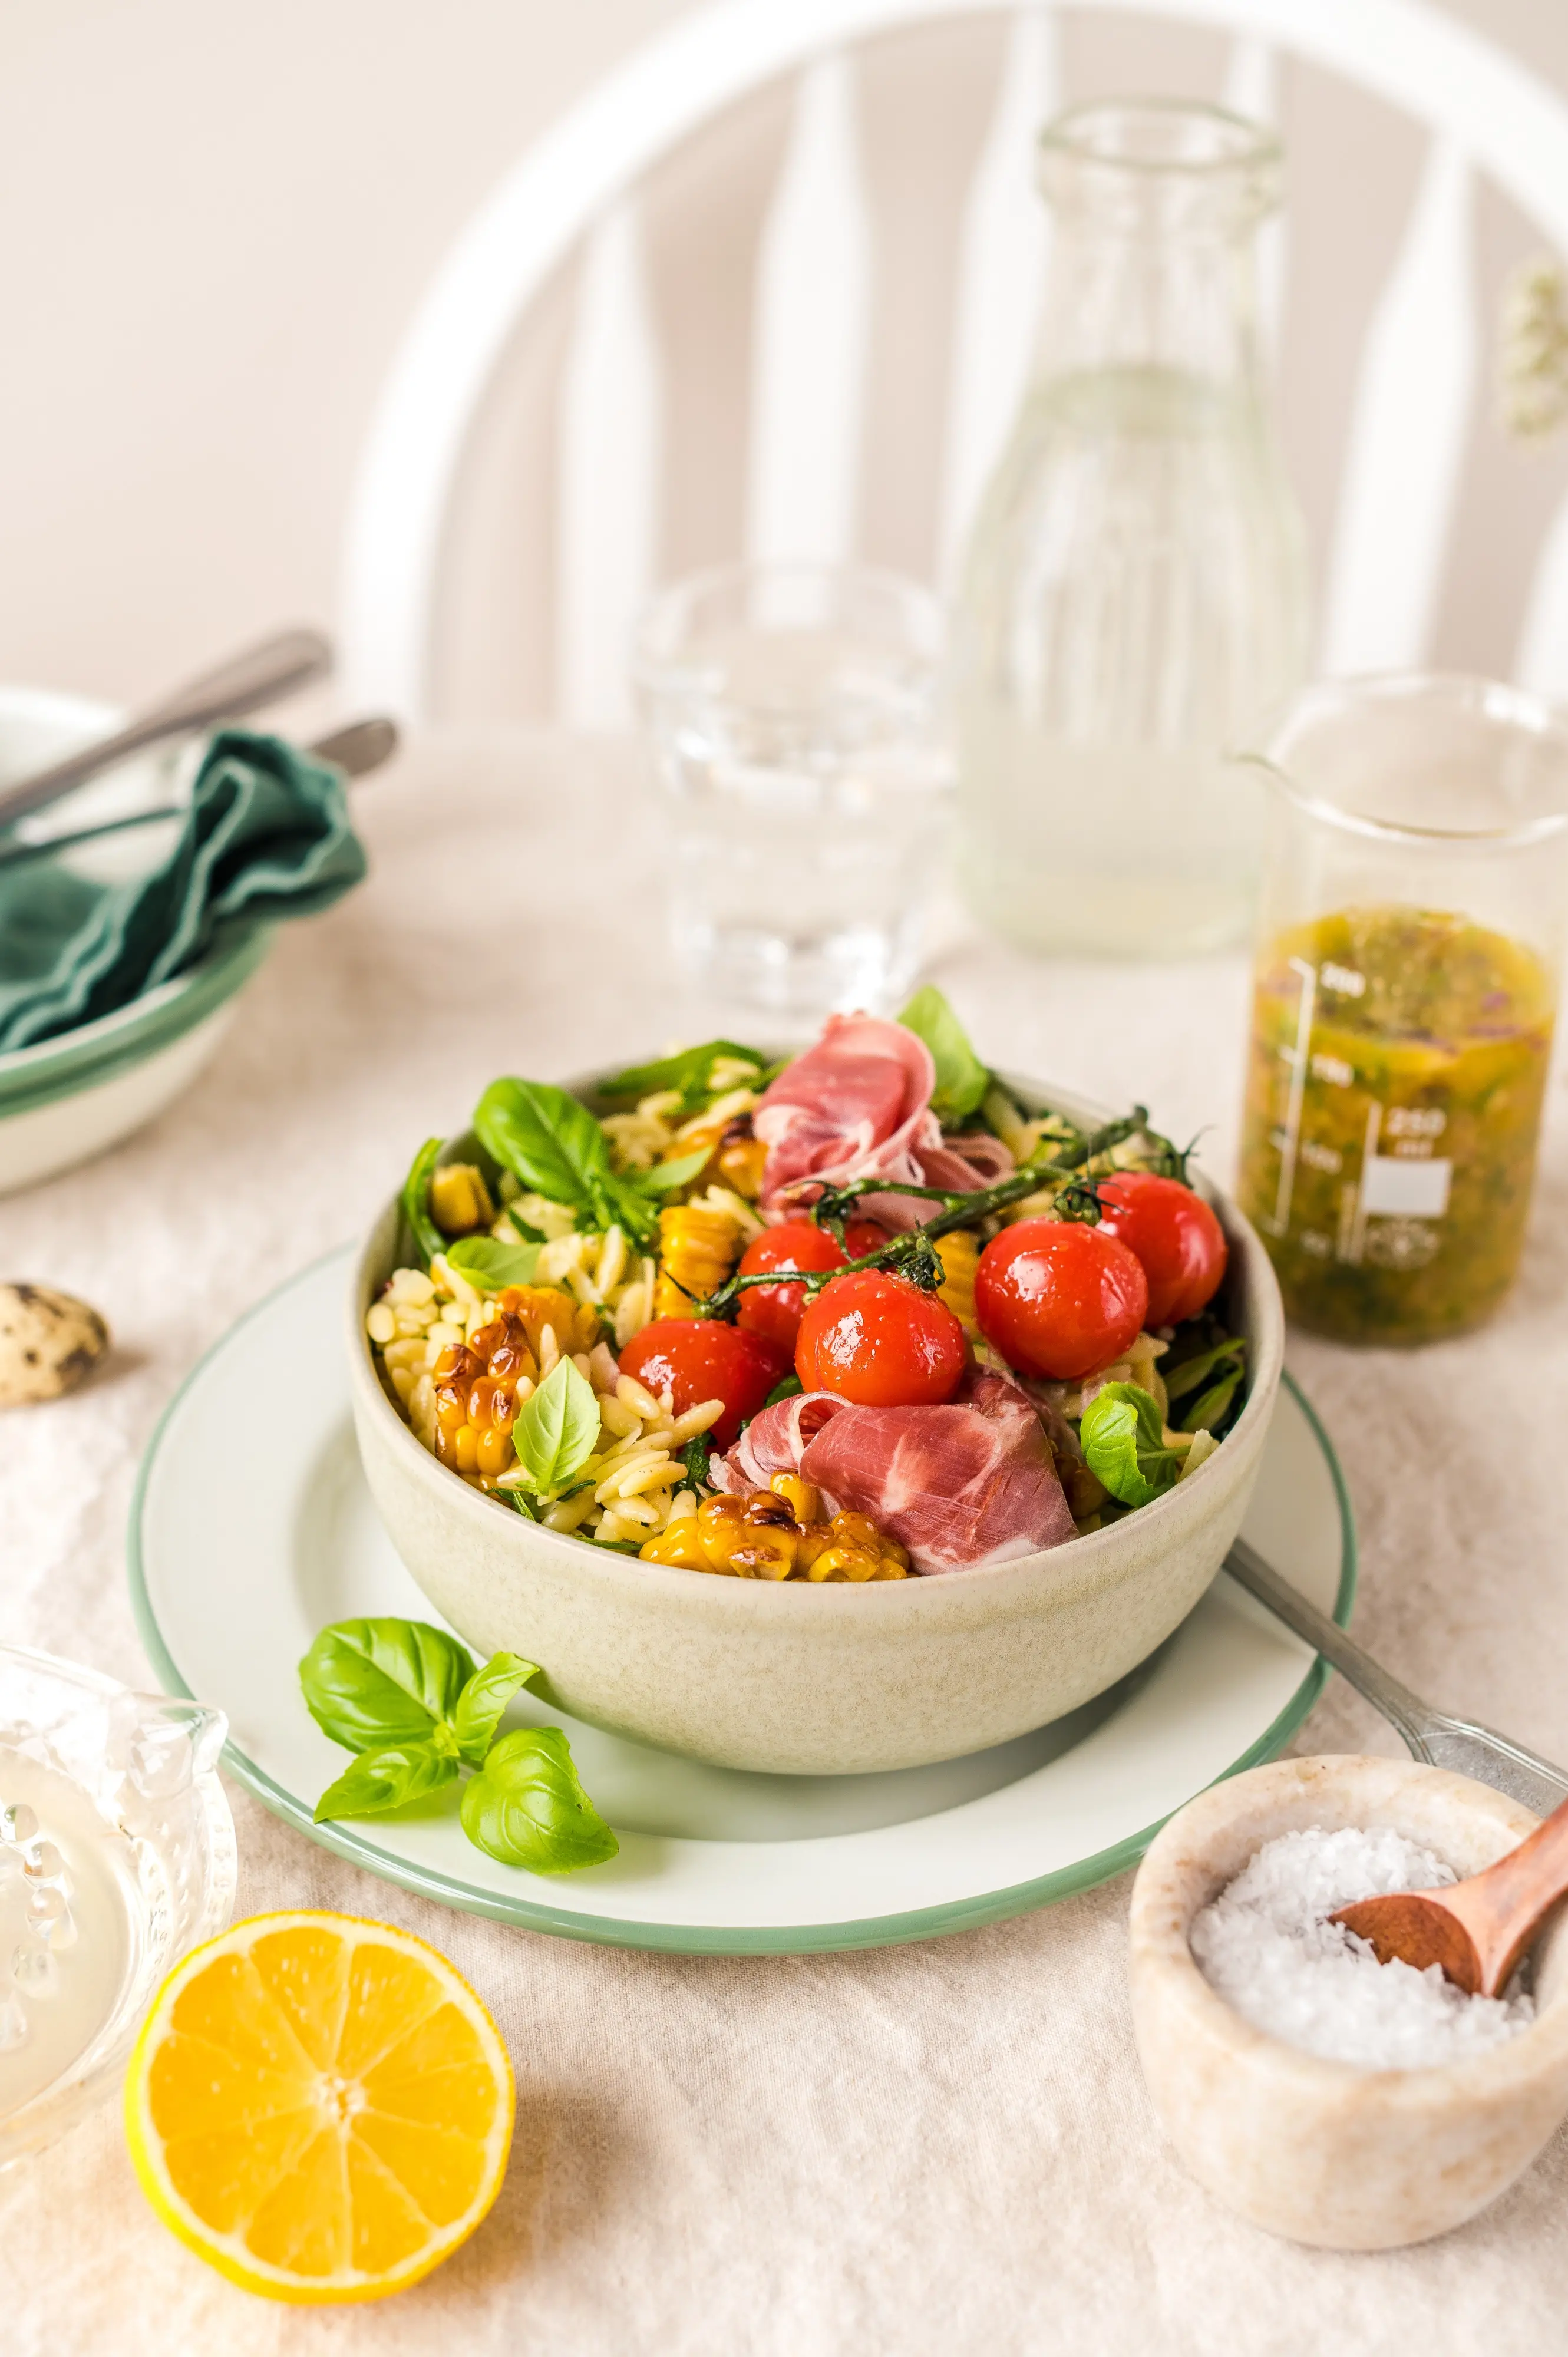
(858, 1106)
(969, 1483)
(774, 1442)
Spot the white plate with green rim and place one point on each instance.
(252, 1527)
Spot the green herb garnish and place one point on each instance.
(428, 1239)
(489, 1264)
(690, 1072)
(962, 1079)
(1123, 1442)
(407, 1700)
(527, 1806)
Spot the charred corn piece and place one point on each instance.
(959, 1252)
(459, 1198)
(742, 1158)
(799, 1496)
(757, 1537)
(698, 1248)
(575, 1326)
(476, 1397)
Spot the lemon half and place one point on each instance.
(319, 2105)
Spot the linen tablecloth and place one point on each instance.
(941, 2147)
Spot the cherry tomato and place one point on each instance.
(698, 1359)
(1059, 1299)
(1174, 1234)
(863, 1236)
(775, 1310)
(881, 1341)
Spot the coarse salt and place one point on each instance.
(1264, 1945)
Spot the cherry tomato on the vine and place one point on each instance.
(775, 1310)
(1176, 1236)
(1059, 1299)
(698, 1359)
(881, 1341)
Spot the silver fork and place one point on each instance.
(1429, 1735)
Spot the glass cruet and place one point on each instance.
(1133, 592)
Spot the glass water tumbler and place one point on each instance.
(1134, 594)
(794, 715)
(1410, 941)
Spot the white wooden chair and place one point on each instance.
(576, 193)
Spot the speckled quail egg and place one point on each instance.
(48, 1343)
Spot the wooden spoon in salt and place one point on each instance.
(1477, 1930)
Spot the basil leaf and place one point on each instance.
(385, 1779)
(558, 1428)
(482, 1701)
(696, 1456)
(1211, 1409)
(527, 1806)
(489, 1265)
(1228, 1355)
(427, 1237)
(546, 1138)
(666, 1175)
(690, 1070)
(962, 1079)
(788, 1387)
(521, 1499)
(375, 1682)
(1122, 1437)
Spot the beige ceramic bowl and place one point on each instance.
(800, 1680)
(1323, 2152)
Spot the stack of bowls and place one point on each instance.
(66, 1099)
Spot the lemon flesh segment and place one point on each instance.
(319, 2105)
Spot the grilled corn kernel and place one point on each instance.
(959, 1252)
(459, 1198)
(740, 1163)
(698, 1248)
(575, 1325)
(757, 1537)
(799, 1496)
(679, 1544)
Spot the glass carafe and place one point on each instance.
(1134, 593)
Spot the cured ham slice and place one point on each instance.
(774, 1441)
(858, 1106)
(966, 1484)
(969, 1483)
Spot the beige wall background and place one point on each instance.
(217, 220)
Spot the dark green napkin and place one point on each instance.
(267, 836)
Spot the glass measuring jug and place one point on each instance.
(1405, 988)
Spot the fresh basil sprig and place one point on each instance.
(427, 1237)
(556, 1148)
(489, 1264)
(691, 1072)
(962, 1079)
(406, 1698)
(556, 1431)
(1123, 1442)
(527, 1806)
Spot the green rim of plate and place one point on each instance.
(78, 1063)
(704, 1939)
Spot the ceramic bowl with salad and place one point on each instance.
(817, 1411)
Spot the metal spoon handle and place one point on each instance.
(1403, 1709)
(1431, 1734)
(263, 673)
